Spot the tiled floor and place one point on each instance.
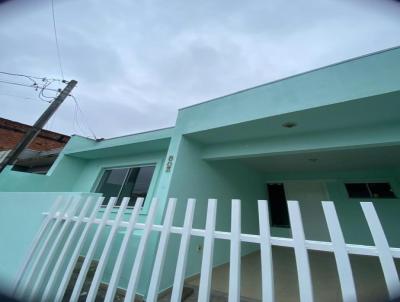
(119, 295)
(190, 292)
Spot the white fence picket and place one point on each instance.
(106, 252)
(55, 228)
(341, 256)
(300, 251)
(179, 278)
(74, 258)
(137, 265)
(112, 286)
(44, 247)
(161, 251)
(235, 256)
(208, 252)
(385, 256)
(267, 270)
(36, 242)
(90, 253)
(63, 255)
(44, 268)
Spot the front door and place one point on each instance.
(310, 194)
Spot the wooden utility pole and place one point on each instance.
(29, 136)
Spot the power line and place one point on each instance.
(19, 75)
(35, 86)
(29, 76)
(56, 39)
(41, 93)
(24, 97)
(84, 117)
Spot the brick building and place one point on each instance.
(39, 155)
(11, 133)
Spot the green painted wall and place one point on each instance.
(355, 228)
(354, 79)
(61, 179)
(194, 177)
(20, 219)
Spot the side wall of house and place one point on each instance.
(59, 178)
(196, 178)
(20, 218)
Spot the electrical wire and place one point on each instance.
(35, 86)
(56, 39)
(20, 75)
(76, 125)
(41, 93)
(29, 76)
(84, 116)
(23, 97)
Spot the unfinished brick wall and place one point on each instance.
(11, 133)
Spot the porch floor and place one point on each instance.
(367, 272)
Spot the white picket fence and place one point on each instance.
(66, 228)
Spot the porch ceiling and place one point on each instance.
(380, 109)
(326, 161)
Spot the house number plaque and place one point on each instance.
(169, 163)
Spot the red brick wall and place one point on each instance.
(11, 133)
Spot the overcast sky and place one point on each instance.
(137, 62)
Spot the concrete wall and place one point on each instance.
(20, 219)
(194, 177)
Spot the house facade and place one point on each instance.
(328, 134)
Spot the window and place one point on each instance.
(278, 210)
(125, 182)
(370, 190)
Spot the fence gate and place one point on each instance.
(66, 228)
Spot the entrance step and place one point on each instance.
(101, 293)
(215, 296)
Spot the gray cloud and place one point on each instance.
(138, 62)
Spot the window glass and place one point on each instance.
(278, 210)
(128, 182)
(370, 190)
(381, 190)
(357, 190)
(111, 183)
(140, 186)
(129, 185)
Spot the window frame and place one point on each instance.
(157, 164)
(272, 225)
(367, 182)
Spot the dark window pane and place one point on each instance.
(111, 183)
(381, 190)
(357, 190)
(138, 183)
(278, 205)
(129, 184)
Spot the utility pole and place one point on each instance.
(29, 136)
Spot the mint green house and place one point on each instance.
(328, 134)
